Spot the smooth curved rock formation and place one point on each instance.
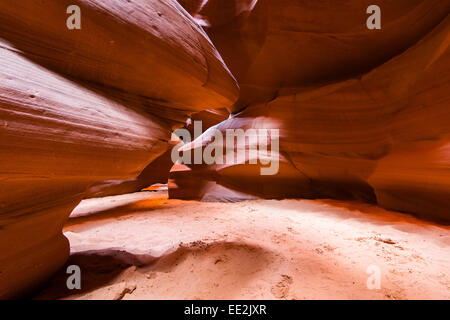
(156, 172)
(274, 44)
(57, 138)
(382, 137)
(152, 49)
(81, 106)
(361, 113)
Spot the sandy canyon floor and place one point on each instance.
(145, 246)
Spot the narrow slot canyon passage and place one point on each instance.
(224, 149)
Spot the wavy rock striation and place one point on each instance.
(368, 120)
(81, 106)
(274, 44)
(361, 113)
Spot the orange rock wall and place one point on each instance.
(273, 44)
(81, 106)
(362, 114)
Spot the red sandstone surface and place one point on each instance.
(362, 114)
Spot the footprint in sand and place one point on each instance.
(281, 289)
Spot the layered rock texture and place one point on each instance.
(157, 172)
(362, 113)
(274, 44)
(81, 106)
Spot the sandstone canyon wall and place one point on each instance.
(81, 106)
(362, 113)
(158, 170)
(274, 44)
